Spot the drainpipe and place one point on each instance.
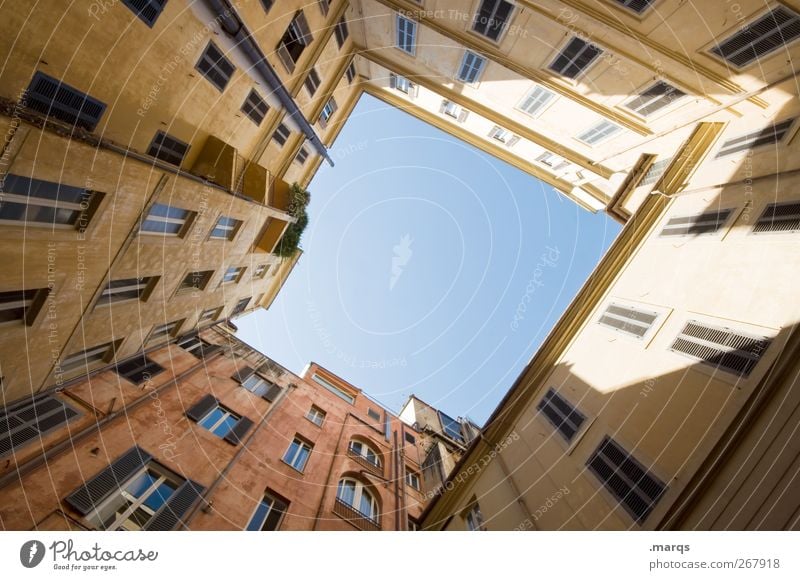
(399, 503)
(204, 501)
(232, 24)
(330, 472)
(69, 443)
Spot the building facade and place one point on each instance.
(664, 398)
(206, 433)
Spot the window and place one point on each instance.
(474, 519)
(575, 58)
(21, 306)
(233, 275)
(629, 481)
(769, 33)
(450, 109)
(451, 427)
(340, 32)
(226, 228)
(499, 134)
(471, 67)
(260, 271)
(723, 348)
(197, 347)
(35, 202)
(297, 454)
(373, 414)
(138, 369)
(241, 305)
(351, 72)
(364, 451)
(655, 171)
(316, 416)
(768, 136)
(536, 99)
(255, 107)
(86, 358)
(333, 389)
(412, 479)
(553, 161)
(219, 420)
(281, 134)
(406, 34)
(324, 6)
(433, 469)
(629, 320)
(269, 513)
(328, 110)
(58, 100)
(599, 133)
(492, 17)
(135, 493)
(168, 148)
(195, 281)
(312, 82)
(215, 67)
(694, 225)
(209, 315)
(302, 156)
(162, 331)
(637, 6)
(257, 384)
(410, 439)
(413, 525)
(147, 11)
(31, 419)
(654, 99)
(402, 84)
(126, 289)
(565, 418)
(294, 41)
(355, 495)
(267, 4)
(779, 217)
(167, 220)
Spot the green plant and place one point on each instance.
(298, 203)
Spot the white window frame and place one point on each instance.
(405, 35)
(316, 415)
(500, 134)
(226, 414)
(231, 230)
(302, 444)
(542, 100)
(364, 450)
(505, 26)
(412, 479)
(358, 492)
(474, 519)
(273, 500)
(477, 71)
(333, 389)
(237, 271)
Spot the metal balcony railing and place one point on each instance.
(361, 460)
(355, 517)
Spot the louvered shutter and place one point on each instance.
(208, 350)
(443, 107)
(85, 498)
(334, 106)
(272, 393)
(302, 24)
(462, 116)
(202, 407)
(393, 81)
(172, 512)
(56, 99)
(513, 141)
(242, 374)
(235, 435)
(286, 58)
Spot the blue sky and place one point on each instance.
(429, 268)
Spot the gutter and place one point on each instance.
(232, 24)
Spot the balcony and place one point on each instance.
(363, 461)
(355, 517)
(216, 162)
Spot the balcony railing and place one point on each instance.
(355, 517)
(361, 460)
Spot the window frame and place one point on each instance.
(186, 222)
(473, 78)
(302, 444)
(504, 27)
(31, 306)
(405, 34)
(233, 229)
(315, 411)
(359, 490)
(278, 504)
(215, 67)
(586, 68)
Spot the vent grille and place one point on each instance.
(722, 348)
(637, 6)
(628, 320)
(704, 223)
(627, 479)
(779, 217)
(767, 34)
(565, 418)
(56, 99)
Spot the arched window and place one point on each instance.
(365, 452)
(356, 495)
